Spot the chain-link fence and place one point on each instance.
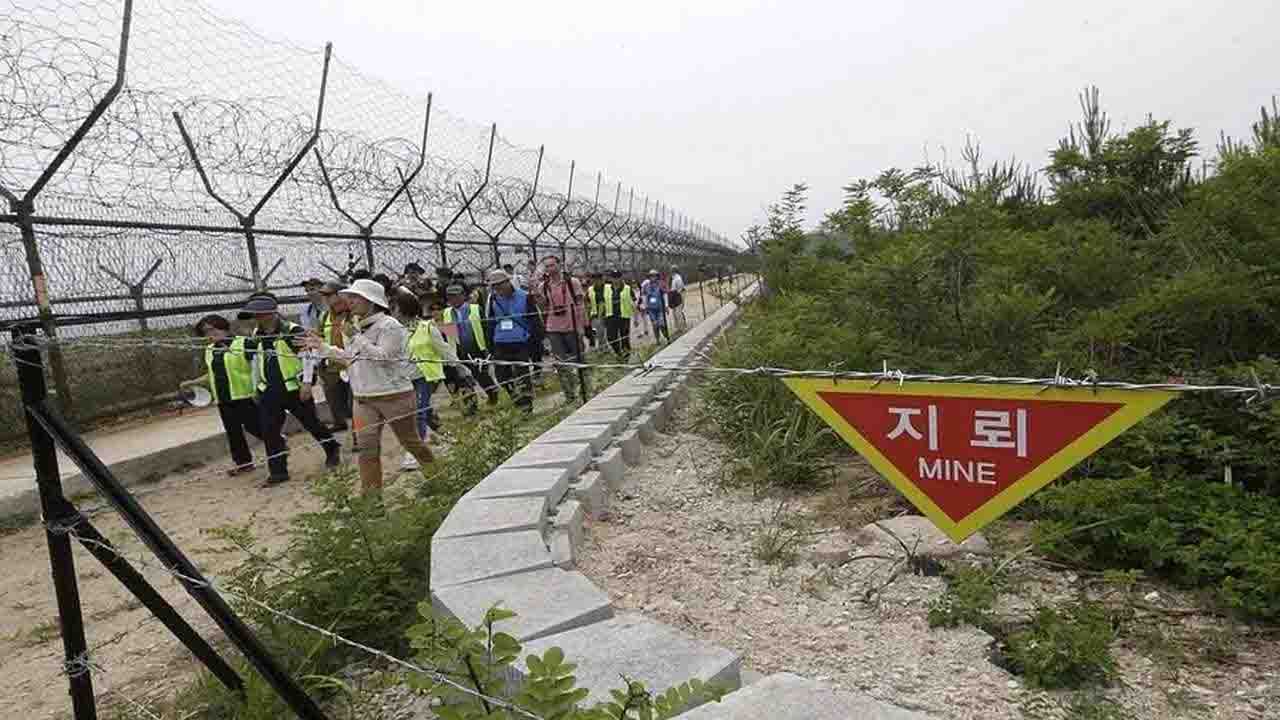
(160, 162)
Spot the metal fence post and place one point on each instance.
(53, 506)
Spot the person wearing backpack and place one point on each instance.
(559, 297)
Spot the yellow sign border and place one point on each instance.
(1136, 405)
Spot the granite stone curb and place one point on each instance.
(512, 539)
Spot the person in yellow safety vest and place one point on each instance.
(595, 310)
(464, 328)
(432, 356)
(284, 384)
(332, 325)
(619, 306)
(229, 377)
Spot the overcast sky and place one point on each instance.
(716, 107)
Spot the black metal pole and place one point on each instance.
(102, 549)
(52, 502)
(702, 294)
(251, 247)
(583, 376)
(368, 247)
(164, 548)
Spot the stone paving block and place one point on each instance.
(616, 419)
(494, 515)
(789, 697)
(611, 466)
(676, 398)
(645, 426)
(563, 551)
(628, 389)
(655, 654)
(659, 412)
(632, 448)
(592, 491)
(551, 483)
(597, 436)
(459, 560)
(546, 602)
(631, 404)
(568, 519)
(659, 378)
(572, 456)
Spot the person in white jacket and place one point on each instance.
(381, 380)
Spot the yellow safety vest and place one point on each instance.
(290, 363)
(239, 373)
(595, 303)
(627, 301)
(326, 326)
(424, 352)
(477, 330)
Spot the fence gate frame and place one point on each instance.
(48, 433)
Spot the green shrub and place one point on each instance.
(1197, 534)
(481, 661)
(1064, 648)
(969, 599)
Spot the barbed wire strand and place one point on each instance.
(84, 663)
(1258, 391)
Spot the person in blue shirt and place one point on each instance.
(655, 304)
(511, 326)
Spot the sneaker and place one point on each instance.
(409, 462)
(240, 470)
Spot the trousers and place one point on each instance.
(399, 411)
(619, 333)
(337, 393)
(240, 417)
(273, 403)
(422, 389)
(470, 356)
(517, 379)
(566, 347)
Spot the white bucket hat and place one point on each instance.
(370, 290)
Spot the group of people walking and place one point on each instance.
(380, 349)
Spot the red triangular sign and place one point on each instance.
(965, 453)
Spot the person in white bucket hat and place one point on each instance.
(381, 380)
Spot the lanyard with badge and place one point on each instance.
(506, 323)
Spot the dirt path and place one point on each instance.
(135, 656)
(681, 550)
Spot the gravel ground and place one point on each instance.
(679, 548)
